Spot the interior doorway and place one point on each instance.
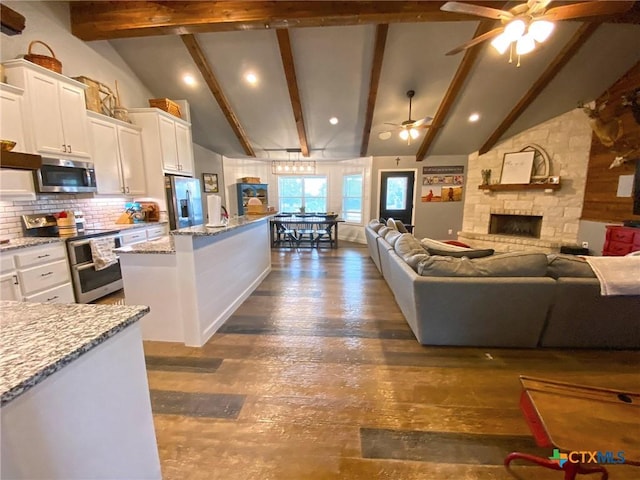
(397, 195)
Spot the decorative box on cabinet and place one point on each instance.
(14, 184)
(117, 156)
(251, 190)
(54, 108)
(621, 240)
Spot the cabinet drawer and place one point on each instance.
(60, 294)
(616, 248)
(6, 263)
(136, 236)
(43, 277)
(155, 232)
(623, 235)
(37, 256)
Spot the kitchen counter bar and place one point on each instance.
(75, 397)
(197, 278)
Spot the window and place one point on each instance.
(296, 193)
(352, 198)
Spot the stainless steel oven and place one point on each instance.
(88, 283)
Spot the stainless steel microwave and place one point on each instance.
(57, 175)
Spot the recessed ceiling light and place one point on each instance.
(189, 80)
(251, 78)
(474, 117)
(333, 120)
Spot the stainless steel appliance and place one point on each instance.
(184, 201)
(57, 175)
(88, 283)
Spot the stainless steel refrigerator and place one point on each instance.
(184, 201)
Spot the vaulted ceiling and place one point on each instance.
(354, 61)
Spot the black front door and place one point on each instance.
(396, 195)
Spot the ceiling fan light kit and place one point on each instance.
(409, 129)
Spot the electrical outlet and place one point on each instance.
(585, 244)
(450, 231)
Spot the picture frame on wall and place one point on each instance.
(516, 168)
(210, 182)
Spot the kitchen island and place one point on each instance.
(195, 278)
(74, 394)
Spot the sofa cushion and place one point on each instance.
(410, 250)
(375, 225)
(392, 236)
(431, 243)
(469, 253)
(383, 230)
(516, 264)
(561, 265)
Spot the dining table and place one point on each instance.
(311, 229)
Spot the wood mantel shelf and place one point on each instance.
(519, 186)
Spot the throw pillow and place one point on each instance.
(391, 223)
(375, 225)
(469, 253)
(457, 243)
(431, 243)
(400, 227)
(383, 230)
(410, 250)
(561, 265)
(506, 265)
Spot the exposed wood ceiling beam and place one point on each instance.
(376, 68)
(11, 22)
(569, 50)
(203, 65)
(284, 42)
(455, 87)
(104, 20)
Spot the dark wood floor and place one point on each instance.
(317, 376)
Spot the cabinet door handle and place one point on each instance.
(15, 280)
(52, 298)
(46, 274)
(127, 189)
(64, 147)
(44, 256)
(122, 189)
(69, 148)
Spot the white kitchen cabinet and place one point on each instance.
(167, 146)
(156, 232)
(9, 287)
(43, 274)
(54, 110)
(117, 156)
(14, 184)
(132, 236)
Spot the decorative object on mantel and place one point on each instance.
(541, 163)
(486, 176)
(50, 63)
(516, 167)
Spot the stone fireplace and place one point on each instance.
(556, 213)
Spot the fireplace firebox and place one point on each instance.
(516, 225)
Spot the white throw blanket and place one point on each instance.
(102, 252)
(617, 275)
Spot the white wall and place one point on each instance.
(49, 22)
(236, 168)
(206, 161)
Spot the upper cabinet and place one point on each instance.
(117, 156)
(14, 184)
(166, 138)
(54, 107)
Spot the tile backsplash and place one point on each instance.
(98, 212)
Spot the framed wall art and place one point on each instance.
(210, 182)
(516, 167)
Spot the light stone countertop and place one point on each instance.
(26, 242)
(37, 340)
(203, 230)
(163, 245)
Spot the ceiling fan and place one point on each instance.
(408, 128)
(529, 22)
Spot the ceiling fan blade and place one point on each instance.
(480, 11)
(586, 9)
(422, 121)
(535, 6)
(393, 124)
(474, 41)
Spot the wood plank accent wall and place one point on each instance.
(600, 200)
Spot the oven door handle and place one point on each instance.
(86, 266)
(79, 243)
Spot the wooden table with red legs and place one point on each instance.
(578, 420)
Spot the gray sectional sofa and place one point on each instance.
(522, 300)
